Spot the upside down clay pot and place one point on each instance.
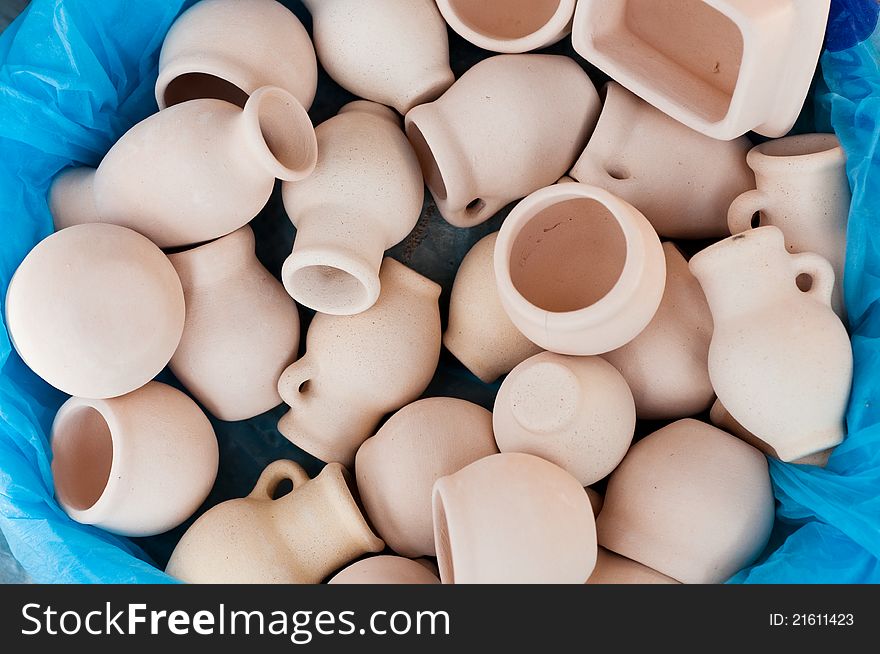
(509, 126)
(241, 331)
(579, 271)
(396, 469)
(780, 359)
(689, 501)
(358, 368)
(299, 538)
(385, 570)
(612, 568)
(364, 196)
(135, 465)
(576, 412)
(95, 310)
(193, 172)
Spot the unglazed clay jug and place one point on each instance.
(299, 538)
(396, 469)
(510, 125)
(667, 365)
(135, 465)
(680, 179)
(612, 568)
(579, 271)
(576, 412)
(385, 570)
(691, 502)
(392, 51)
(358, 368)
(227, 49)
(365, 195)
(480, 334)
(780, 360)
(241, 331)
(802, 190)
(95, 310)
(193, 172)
(513, 518)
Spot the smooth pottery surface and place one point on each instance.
(612, 568)
(385, 570)
(596, 500)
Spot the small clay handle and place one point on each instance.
(743, 208)
(274, 474)
(821, 272)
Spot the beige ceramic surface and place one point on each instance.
(596, 500)
(385, 570)
(612, 568)
(95, 310)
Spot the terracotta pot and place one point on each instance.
(690, 502)
(667, 365)
(680, 179)
(513, 518)
(576, 412)
(579, 271)
(385, 570)
(207, 160)
(241, 331)
(358, 368)
(612, 568)
(511, 125)
(227, 49)
(396, 469)
(480, 334)
(803, 190)
(721, 67)
(135, 465)
(299, 538)
(391, 51)
(780, 360)
(95, 310)
(365, 196)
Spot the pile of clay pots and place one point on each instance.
(595, 321)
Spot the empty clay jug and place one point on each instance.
(396, 469)
(576, 412)
(780, 359)
(385, 570)
(391, 51)
(510, 125)
(227, 49)
(193, 172)
(667, 365)
(365, 195)
(480, 334)
(683, 181)
(137, 465)
(691, 502)
(579, 271)
(95, 310)
(358, 368)
(241, 331)
(299, 538)
(612, 568)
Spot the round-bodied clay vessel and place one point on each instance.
(385, 570)
(612, 568)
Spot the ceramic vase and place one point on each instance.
(95, 310)
(135, 465)
(385, 570)
(364, 196)
(509, 126)
(612, 568)
(298, 538)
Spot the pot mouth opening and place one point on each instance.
(329, 289)
(82, 447)
(197, 85)
(442, 542)
(505, 20)
(288, 144)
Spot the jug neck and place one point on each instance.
(216, 260)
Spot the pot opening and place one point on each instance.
(427, 161)
(287, 132)
(802, 145)
(505, 19)
(82, 448)
(441, 541)
(192, 86)
(329, 290)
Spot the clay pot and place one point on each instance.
(505, 26)
(667, 365)
(207, 160)
(579, 271)
(299, 538)
(803, 190)
(596, 500)
(385, 570)
(392, 51)
(396, 469)
(690, 502)
(135, 465)
(365, 196)
(95, 310)
(509, 126)
(576, 412)
(780, 360)
(612, 568)
(480, 334)
(227, 49)
(680, 179)
(241, 331)
(358, 368)
(513, 518)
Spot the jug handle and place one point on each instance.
(739, 215)
(821, 272)
(274, 474)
